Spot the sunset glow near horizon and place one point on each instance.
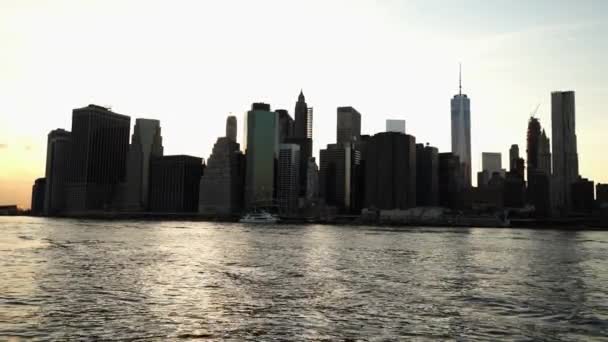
(192, 63)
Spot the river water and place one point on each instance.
(78, 279)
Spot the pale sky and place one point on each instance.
(191, 63)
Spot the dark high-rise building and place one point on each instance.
(390, 171)
(513, 156)
(539, 169)
(288, 178)
(286, 125)
(582, 196)
(303, 137)
(538, 194)
(312, 181)
(38, 191)
(336, 176)
(565, 155)
(349, 125)
(100, 141)
(427, 176)
(174, 184)
(221, 187)
(514, 189)
(538, 149)
(146, 143)
(58, 161)
(261, 153)
(461, 132)
(602, 193)
(450, 180)
(231, 128)
(303, 116)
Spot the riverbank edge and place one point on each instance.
(570, 224)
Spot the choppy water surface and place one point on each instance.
(70, 279)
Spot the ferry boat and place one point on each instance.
(259, 217)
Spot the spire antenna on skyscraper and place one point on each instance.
(459, 78)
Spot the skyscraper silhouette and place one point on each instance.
(146, 143)
(221, 187)
(58, 156)
(461, 132)
(288, 180)
(261, 153)
(565, 156)
(231, 128)
(100, 141)
(349, 125)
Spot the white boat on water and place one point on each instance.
(259, 217)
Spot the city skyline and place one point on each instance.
(192, 108)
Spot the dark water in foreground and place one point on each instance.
(68, 279)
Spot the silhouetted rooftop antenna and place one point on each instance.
(459, 78)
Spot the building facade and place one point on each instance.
(146, 143)
(395, 126)
(513, 156)
(100, 142)
(601, 194)
(565, 155)
(261, 153)
(221, 186)
(174, 184)
(390, 175)
(57, 174)
(427, 176)
(38, 191)
(288, 181)
(583, 200)
(336, 177)
(461, 133)
(349, 125)
(231, 128)
(450, 180)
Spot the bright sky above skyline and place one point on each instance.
(192, 63)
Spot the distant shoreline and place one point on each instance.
(570, 224)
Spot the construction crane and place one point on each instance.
(535, 111)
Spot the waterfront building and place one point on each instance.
(303, 118)
(221, 186)
(312, 181)
(303, 137)
(513, 156)
(461, 132)
(427, 176)
(514, 190)
(231, 128)
(602, 194)
(286, 125)
(348, 125)
(57, 174)
(174, 184)
(390, 171)
(582, 191)
(539, 168)
(38, 191)
(565, 155)
(288, 181)
(100, 142)
(146, 143)
(395, 126)
(336, 176)
(538, 193)
(450, 180)
(261, 153)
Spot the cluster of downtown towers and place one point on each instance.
(94, 168)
